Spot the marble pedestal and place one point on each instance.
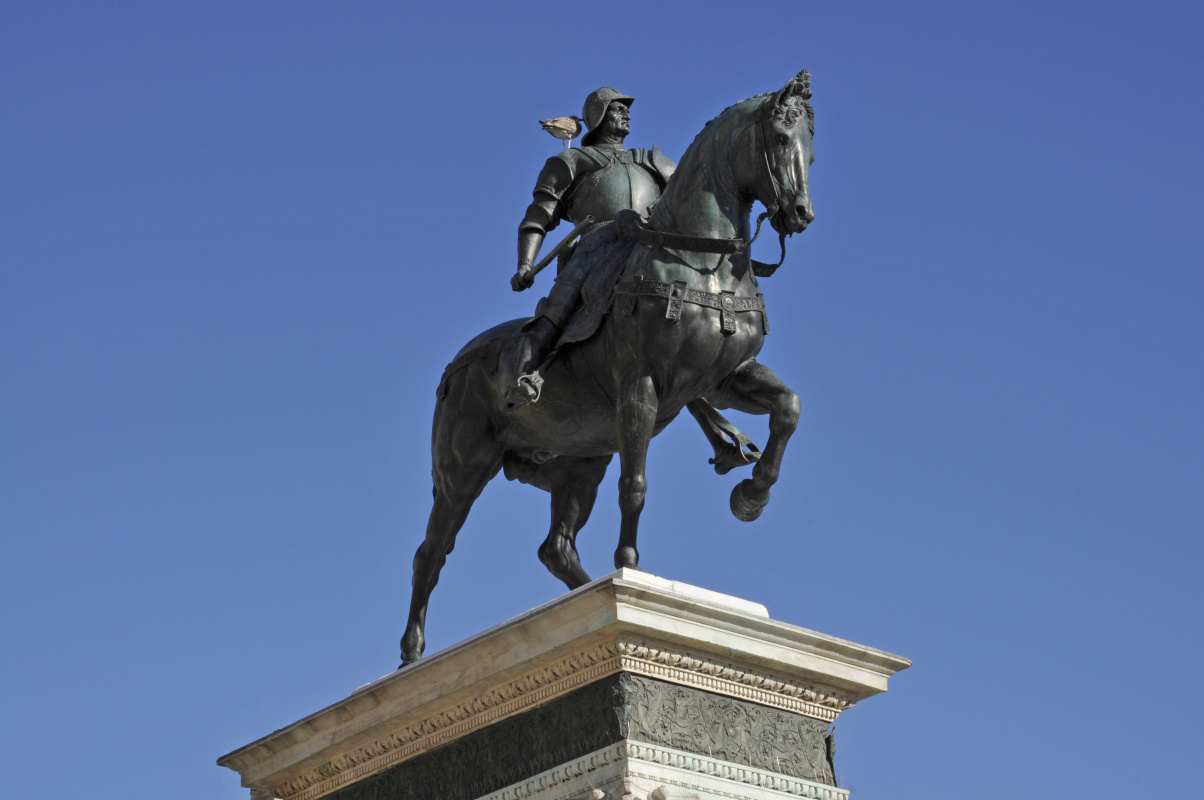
(629, 688)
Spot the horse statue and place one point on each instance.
(683, 319)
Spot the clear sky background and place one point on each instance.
(239, 242)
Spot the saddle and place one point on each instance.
(601, 257)
(604, 255)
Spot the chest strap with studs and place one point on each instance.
(677, 293)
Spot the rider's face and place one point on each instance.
(618, 118)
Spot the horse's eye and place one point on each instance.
(781, 138)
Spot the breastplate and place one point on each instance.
(605, 192)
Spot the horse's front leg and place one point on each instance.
(755, 389)
(635, 417)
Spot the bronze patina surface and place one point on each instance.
(682, 321)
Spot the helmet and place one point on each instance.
(596, 105)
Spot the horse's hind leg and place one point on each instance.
(573, 499)
(573, 484)
(466, 458)
(635, 417)
(756, 389)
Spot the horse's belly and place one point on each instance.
(551, 428)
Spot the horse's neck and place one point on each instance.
(703, 198)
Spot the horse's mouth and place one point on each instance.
(788, 223)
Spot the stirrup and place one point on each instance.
(735, 455)
(525, 391)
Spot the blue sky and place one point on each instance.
(239, 242)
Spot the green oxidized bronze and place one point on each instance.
(657, 308)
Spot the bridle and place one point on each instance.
(760, 268)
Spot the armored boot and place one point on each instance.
(537, 342)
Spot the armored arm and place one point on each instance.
(544, 214)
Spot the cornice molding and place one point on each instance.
(678, 666)
(661, 662)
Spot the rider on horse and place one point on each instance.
(598, 179)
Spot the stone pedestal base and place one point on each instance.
(629, 688)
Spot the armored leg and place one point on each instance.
(537, 342)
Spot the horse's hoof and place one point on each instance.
(412, 646)
(627, 558)
(562, 561)
(745, 509)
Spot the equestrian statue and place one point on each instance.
(656, 308)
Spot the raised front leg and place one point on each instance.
(755, 389)
(636, 418)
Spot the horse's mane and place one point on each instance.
(803, 80)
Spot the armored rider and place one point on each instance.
(599, 179)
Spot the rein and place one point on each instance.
(760, 268)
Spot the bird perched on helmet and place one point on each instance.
(565, 128)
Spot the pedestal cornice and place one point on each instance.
(627, 621)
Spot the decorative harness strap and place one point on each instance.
(678, 293)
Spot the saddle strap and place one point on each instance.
(677, 293)
(694, 244)
(629, 225)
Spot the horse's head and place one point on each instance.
(775, 164)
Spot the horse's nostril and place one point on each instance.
(804, 213)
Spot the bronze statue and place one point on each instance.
(671, 313)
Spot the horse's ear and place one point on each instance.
(798, 86)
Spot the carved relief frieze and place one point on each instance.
(723, 728)
(542, 740)
(514, 697)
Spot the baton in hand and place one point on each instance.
(555, 251)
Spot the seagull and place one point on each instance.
(565, 128)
